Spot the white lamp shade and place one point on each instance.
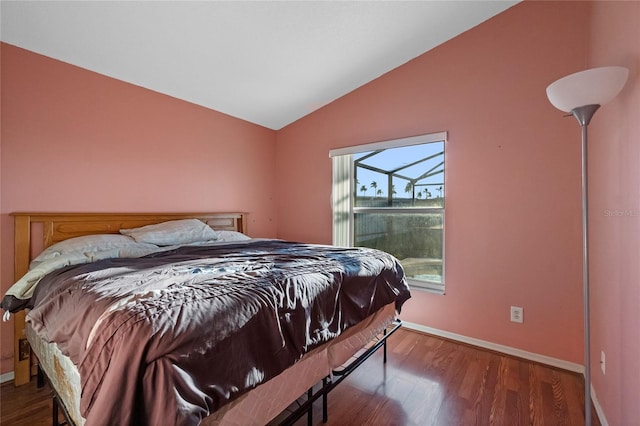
(595, 86)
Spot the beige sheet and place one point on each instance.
(257, 407)
(62, 373)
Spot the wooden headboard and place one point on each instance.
(57, 227)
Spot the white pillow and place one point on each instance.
(231, 236)
(173, 232)
(84, 244)
(24, 287)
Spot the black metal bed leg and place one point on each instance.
(325, 412)
(54, 414)
(384, 349)
(40, 378)
(310, 409)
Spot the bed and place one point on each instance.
(227, 330)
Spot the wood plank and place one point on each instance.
(21, 349)
(503, 390)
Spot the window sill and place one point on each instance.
(439, 291)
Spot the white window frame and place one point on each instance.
(342, 197)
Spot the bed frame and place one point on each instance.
(56, 227)
(337, 376)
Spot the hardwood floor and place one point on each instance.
(426, 381)
(25, 405)
(431, 381)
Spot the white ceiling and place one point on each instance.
(267, 62)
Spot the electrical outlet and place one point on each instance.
(517, 314)
(602, 362)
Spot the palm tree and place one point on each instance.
(363, 188)
(379, 192)
(440, 191)
(393, 190)
(409, 188)
(374, 185)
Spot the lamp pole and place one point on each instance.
(588, 89)
(584, 114)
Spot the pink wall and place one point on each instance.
(614, 166)
(73, 140)
(512, 177)
(513, 209)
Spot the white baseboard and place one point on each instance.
(543, 359)
(598, 407)
(6, 377)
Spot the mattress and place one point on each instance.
(257, 407)
(210, 322)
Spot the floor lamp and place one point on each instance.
(581, 94)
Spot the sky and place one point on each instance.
(399, 158)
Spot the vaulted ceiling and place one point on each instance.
(267, 62)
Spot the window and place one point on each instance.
(390, 196)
